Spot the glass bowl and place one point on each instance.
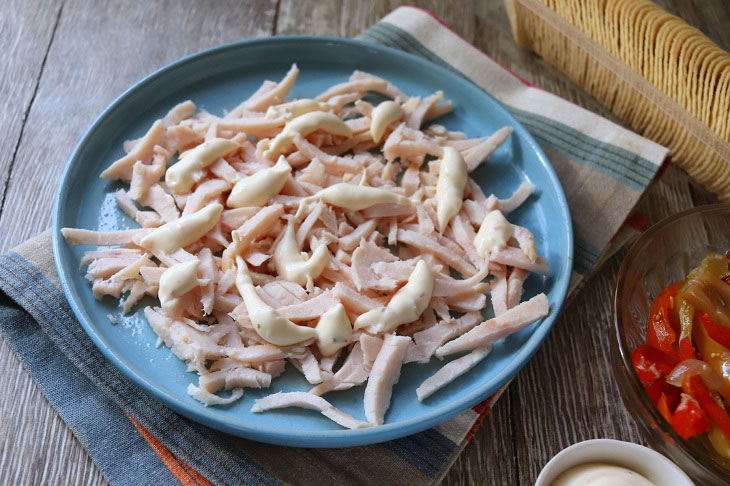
(662, 255)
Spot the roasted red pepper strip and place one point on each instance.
(672, 393)
(663, 405)
(694, 387)
(689, 419)
(656, 389)
(660, 333)
(717, 332)
(644, 357)
(659, 389)
(686, 350)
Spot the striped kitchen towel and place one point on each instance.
(136, 440)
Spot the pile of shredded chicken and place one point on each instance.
(329, 233)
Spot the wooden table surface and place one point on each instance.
(64, 61)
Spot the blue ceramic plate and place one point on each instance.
(219, 79)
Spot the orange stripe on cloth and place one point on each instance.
(483, 409)
(184, 473)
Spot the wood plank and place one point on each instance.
(350, 17)
(25, 34)
(489, 457)
(99, 50)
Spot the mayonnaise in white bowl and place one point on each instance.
(602, 462)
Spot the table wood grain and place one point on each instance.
(63, 61)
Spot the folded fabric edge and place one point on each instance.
(113, 469)
(85, 406)
(448, 27)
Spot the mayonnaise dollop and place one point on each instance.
(599, 474)
(184, 231)
(383, 115)
(305, 125)
(494, 233)
(267, 322)
(292, 266)
(405, 306)
(333, 330)
(178, 280)
(453, 176)
(354, 197)
(293, 109)
(181, 177)
(257, 189)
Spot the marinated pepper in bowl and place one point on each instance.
(685, 364)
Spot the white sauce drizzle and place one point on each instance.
(405, 306)
(305, 125)
(453, 176)
(333, 330)
(354, 197)
(181, 177)
(268, 323)
(383, 115)
(257, 189)
(599, 474)
(178, 280)
(296, 108)
(494, 233)
(292, 266)
(184, 231)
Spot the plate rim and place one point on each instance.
(317, 438)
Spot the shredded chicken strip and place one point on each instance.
(508, 323)
(451, 371)
(312, 402)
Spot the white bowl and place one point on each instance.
(652, 465)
